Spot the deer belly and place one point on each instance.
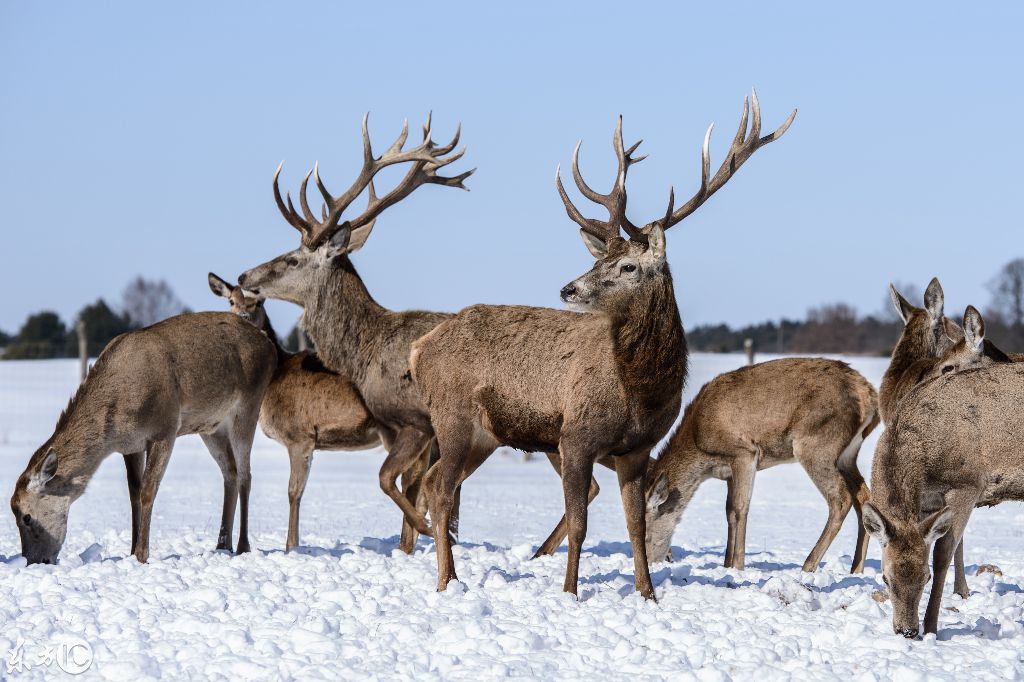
(517, 423)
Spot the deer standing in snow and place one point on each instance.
(810, 410)
(602, 383)
(306, 406)
(199, 373)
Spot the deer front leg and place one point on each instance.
(631, 470)
(959, 572)
(157, 458)
(577, 470)
(300, 457)
(412, 478)
(551, 544)
(962, 504)
(134, 465)
(741, 487)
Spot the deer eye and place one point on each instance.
(26, 519)
(291, 262)
(628, 267)
(947, 369)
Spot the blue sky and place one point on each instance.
(141, 139)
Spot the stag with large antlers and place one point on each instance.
(604, 383)
(354, 335)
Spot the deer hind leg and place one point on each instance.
(859, 494)
(219, 446)
(242, 432)
(959, 573)
(442, 479)
(157, 457)
(135, 465)
(409, 444)
(554, 540)
(822, 467)
(412, 479)
(631, 470)
(737, 507)
(300, 458)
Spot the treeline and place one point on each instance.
(838, 328)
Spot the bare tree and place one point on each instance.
(147, 302)
(1008, 293)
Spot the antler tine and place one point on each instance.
(310, 218)
(597, 228)
(742, 148)
(289, 215)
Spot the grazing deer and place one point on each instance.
(929, 338)
(602, 382)
(306, 406)
(810, 410)
(354, 335)
(199, 373)
(956, 439)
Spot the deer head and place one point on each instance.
(626, 265)
(927, 329)
(326, 242)
(971, 352)
(244, 303)
(40, 504)
(905, 570)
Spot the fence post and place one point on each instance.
(83, 350)
(748, 348)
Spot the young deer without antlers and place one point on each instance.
(927, 340)
(306, 406)
(600, 383)
(354, 335)
(955, 439)
(199, 373)
(810, 410)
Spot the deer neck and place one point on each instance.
(649, 344)
(344, 321)
(896, 382)
(83, 438)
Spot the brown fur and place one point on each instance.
(199, 373)
(587, 386)
(810, 410)
(957, 437)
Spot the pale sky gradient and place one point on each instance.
(142, 137)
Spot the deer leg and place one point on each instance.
(837, 496)
(859, 494)
(243, 430)
(440, 483)
(959, 573)
(412, 478)
(220, 449)
(554, 540)
(300, 458)
(631, 470)
(577, 470)
(135, 465)
(407, 446)
(962, 505)
(741, 487)
(157, 457)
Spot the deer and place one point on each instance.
(953, 444)
(601, 381)
(813, 411)
(202, 373)
(354, 335)
(306, 406)
(928, 337)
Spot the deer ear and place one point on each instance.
(934, 299)
(658, 492)
(974, 328)
(45, 472)
(338, 242)
(218, 286)
(656, 243)
(876, 524)
(597, 246)
(902, 305)
(359, 237)
(936, 525)
(251, 296)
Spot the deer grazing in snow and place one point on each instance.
(354, 335)
(199, 373)
(810, 410)
(927, 341)
(306, 406)
(600, 383)
(953, 444)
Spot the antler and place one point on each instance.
(426, 158)
(742, 148)
(614, 201)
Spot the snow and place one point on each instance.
(348, 604)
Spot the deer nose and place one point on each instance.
(568, 290)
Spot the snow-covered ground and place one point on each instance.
(349, 605)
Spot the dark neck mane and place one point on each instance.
(268, 329)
